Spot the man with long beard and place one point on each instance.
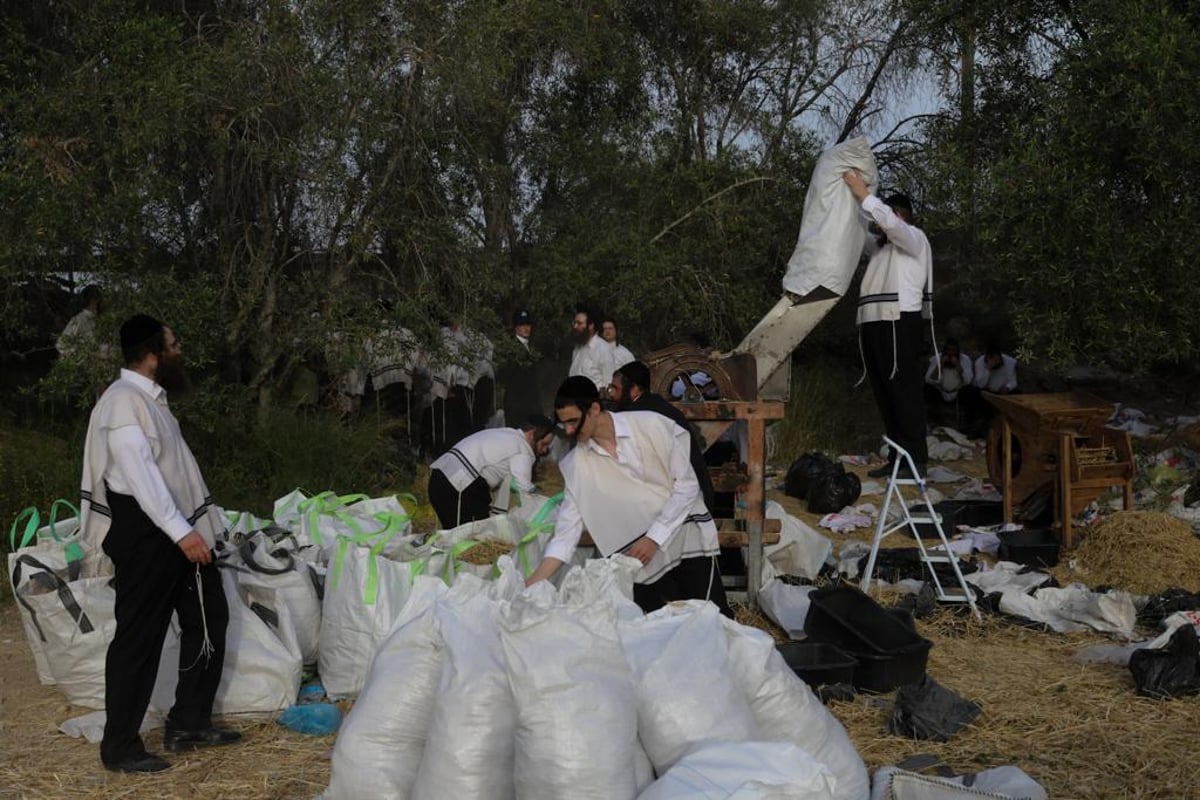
(592, 357)
(146, 504)
(629, 480)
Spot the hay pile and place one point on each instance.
(750, 616)
(1144, 552)
(486, 552)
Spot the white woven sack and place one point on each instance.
(576, 705)
(380, 745)
(831, 235)
(471, 748)
(363, 597)
(685, 692)
(786, 710)
(273, 577)
(745, 771)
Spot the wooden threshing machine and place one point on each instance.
(1057, 445)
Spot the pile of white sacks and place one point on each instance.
(489, 689)
(322, 585)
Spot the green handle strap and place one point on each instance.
(394, 525)
(31, 528)
(537, 526)
(73, 550)
(453, 557)
(312, 508)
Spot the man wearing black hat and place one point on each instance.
(518, 377)
(895, 295)
(146, 504)
(475, 476)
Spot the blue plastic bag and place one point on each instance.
(315, 719)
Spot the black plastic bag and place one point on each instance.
(928, 710)
(1166, 603)
(804, 469)
(1170, 671)
(833, 491)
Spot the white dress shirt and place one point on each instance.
(593, 361)
(133, 471)
(950, 380)
(621, 355)
(1003, 378)
(684, 491)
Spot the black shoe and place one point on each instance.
(905, 474)
(176, 740)
(146, 762)
(881, 472)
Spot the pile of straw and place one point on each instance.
(486, 552)
(1078, 730)
(1144, 552)
(751, 617)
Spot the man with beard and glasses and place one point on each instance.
(630, 482)
(592, 357)
(146, 504)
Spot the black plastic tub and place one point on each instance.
(844, 616)
(819, 663)
(883, 672)
(1033, 547)
(975, 513)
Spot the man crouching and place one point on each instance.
(630, 482)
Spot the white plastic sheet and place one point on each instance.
(1074, 608)
(786, 605)
(1000, 783)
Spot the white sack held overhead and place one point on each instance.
(470, 749)
(576, 707)
(686, 694)
(831, 232)
(786, 710)
(364, 593)
(379, 748)
(745, 771)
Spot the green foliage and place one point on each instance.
(35, 470)
(827, 412)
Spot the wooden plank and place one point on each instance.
(720, 410)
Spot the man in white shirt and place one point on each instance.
(895, 294)
(996, 372)
(474, 478)
(145, 503)
(79, 335)
(948, 373)
(621, 353)
(630, 482)
(592, 357)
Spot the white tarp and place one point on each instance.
(744, 771)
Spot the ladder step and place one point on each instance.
(954, 598)
(934, 559)
(925, 519)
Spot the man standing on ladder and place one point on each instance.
(895, 295)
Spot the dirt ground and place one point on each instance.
(1077, 729)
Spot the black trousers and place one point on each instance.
(691, 579)
(483, 404)
(454, 509)
(892, 352)
(154, 579)
(445, 423)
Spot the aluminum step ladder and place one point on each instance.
(963, 594)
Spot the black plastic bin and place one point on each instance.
(883, 672)
(819, 663)
(960, 512)
(1033, 547)
(844, 616)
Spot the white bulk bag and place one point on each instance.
(568, 674)
(380, 745)
(831, 232)
(745, 771)
(271, 576)
(471, 746)
(786, 710)
(686, 694)
(364, 593)
(367, 521)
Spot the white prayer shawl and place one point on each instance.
(124, 403)
(617, 508)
